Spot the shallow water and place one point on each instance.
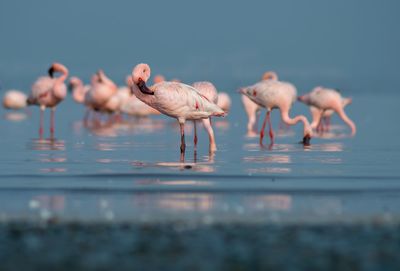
(131, 170)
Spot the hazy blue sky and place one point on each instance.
(208, 39)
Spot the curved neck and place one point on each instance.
(292, 121)
(104, 79)
(348, 121)
(64, 75)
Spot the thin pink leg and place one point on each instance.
(183, 145)
(328, 123)
(52, 129)
(263, 127)
(195, 134)
(41, 122)
(271, 132)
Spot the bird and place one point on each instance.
(209, 91)
(252, 109)
(272, 94)
(101, 90)
(78, 89)
(48, 91)
(14, 99)
(173, 99)
(328, 99)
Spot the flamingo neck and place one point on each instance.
(292, 121)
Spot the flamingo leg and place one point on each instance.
(328, 123)
(42, 108)
(262, 132)
(320, 126)
(183, 145)
(270, 131)
(195, 134)
(53, 109)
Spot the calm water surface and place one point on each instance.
(131, 170)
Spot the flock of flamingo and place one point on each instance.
(199, 101)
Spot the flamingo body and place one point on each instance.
(14, 99)
(325, 99)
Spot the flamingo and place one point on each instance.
(14, 99)
(173, 99)
(328, 99)
(78, 89)
(319, 121)
(252, 109)
(102, 89)
(208, 90)
(49, 92)
(272, 94)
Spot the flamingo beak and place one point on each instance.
(143, 88)
(51, 72)
(70, 87)
(306, 140)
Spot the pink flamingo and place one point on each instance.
(252, 109)
(14, 99)
(208, 90)
(49, 92)
(272, 94)
(102, 89)
(78, 89)
(328, 99)
(176, 100)
(319, 122)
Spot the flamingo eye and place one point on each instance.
(144, 71)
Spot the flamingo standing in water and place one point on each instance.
(252, 109)
(328, 99)
(49, 92)
(208, 90)
(78, 89)
(173, 99)
(321, 123)
(272, 94)
(102, 89)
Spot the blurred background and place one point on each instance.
(351, 45)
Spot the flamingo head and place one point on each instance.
(303, 98)
(158, 79)
(140, 75)
(57, 67)
(270, 75)
(306, 140)
(74, 82)
(307, 134)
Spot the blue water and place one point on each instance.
(133, 169)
